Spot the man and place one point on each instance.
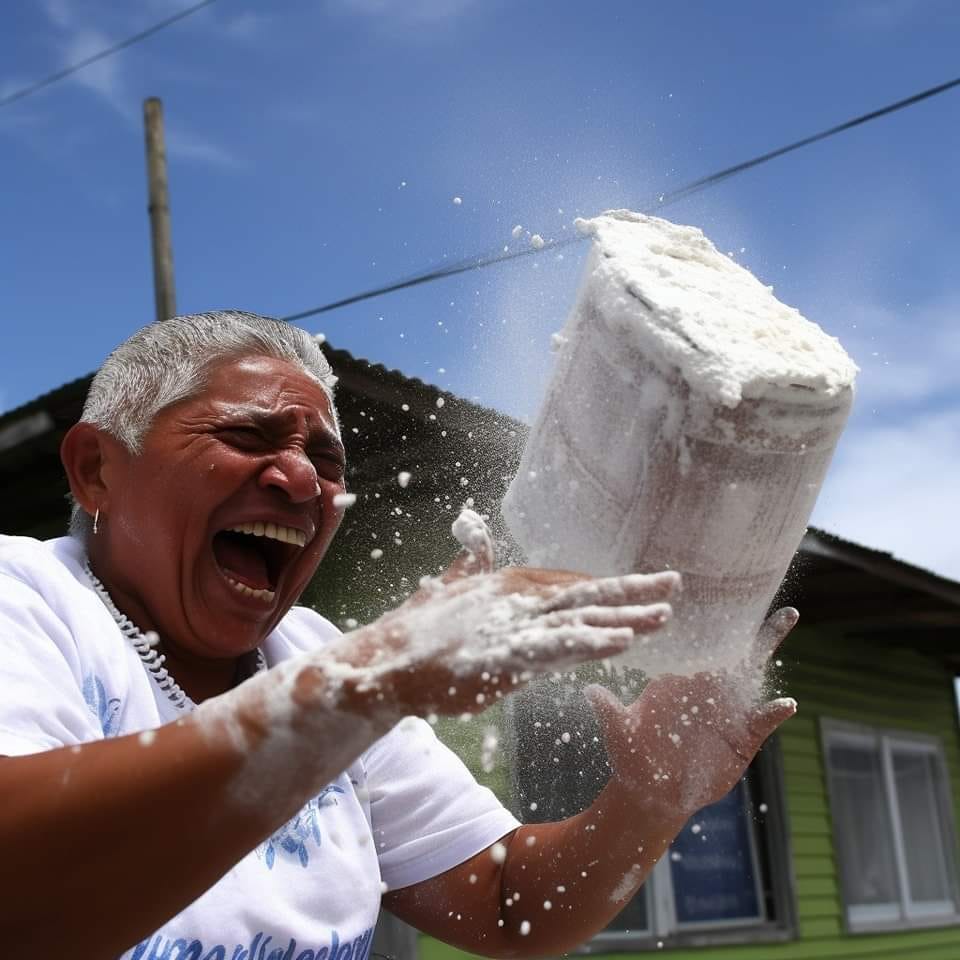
(166, 795)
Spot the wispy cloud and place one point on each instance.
(61, 13)
(192, 146)
(890, 488)
(410, 11)
(102, 77)
(245, 26)
(886, 15)
(106, 79)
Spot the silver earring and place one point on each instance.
(96, 521)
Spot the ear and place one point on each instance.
(85, 452)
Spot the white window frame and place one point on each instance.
(904, 911)
(662, 922)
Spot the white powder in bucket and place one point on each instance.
(688, 425)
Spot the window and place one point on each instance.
(726, 877)
(892, 827)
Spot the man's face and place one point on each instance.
(212, 532)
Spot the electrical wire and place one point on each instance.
(482, 260)
(103, 54)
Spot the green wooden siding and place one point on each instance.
(843, 679)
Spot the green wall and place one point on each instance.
(854, 681)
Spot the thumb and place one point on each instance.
(606, 707)
(478, 555)
(766, 718)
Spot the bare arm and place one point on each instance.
(195, 796)
(560, 883)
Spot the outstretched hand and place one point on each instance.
(686, 741)
(475, 634)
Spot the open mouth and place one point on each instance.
(253, 556)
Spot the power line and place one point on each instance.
(103, 54)
(697, 185)
(482, 260)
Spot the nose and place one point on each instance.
(292, 472)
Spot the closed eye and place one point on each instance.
(328, 463)
(243, 438)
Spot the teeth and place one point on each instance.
(249, 591)
(273, 531)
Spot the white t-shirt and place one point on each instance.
(406, 810)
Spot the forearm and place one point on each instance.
(103, 842)
(563, 882)
(546, 888)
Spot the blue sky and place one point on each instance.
(315, 150)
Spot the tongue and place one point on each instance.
(241, 561)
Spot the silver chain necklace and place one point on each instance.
(145, 645)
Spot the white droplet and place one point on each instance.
(344, 499)
(403, 477)
(440, 401)
(147, 737)
(537, 242)
(524, 928)
(516, 231)
(763, 808)
(457, 201)
(473, 878)
(547, 905)
(696, 828)
(376, 553)
(350, 623)
(498, 852)
(405, 407)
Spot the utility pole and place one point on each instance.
(159, 207)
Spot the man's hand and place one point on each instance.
(455, 646)
(686, 741)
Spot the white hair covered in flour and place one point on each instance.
(166, 362)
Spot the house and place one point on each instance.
(842, 839)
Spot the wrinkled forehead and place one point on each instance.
(267, 387)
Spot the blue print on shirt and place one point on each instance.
(290, 841)
(263, 946)
(105, 709)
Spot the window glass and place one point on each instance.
(712, 865)
(634, 917)
(923, 843)
(863, 826)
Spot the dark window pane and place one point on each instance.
(711, 864)
(633, 917)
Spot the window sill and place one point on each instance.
(901, 925)
(609, 943)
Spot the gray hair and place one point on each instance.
(165, 362)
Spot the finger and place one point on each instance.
(776, 628)
(471, 530)
(464, 565)
(640, 619)
(633, 588)
(559, 647)
(765, 719)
